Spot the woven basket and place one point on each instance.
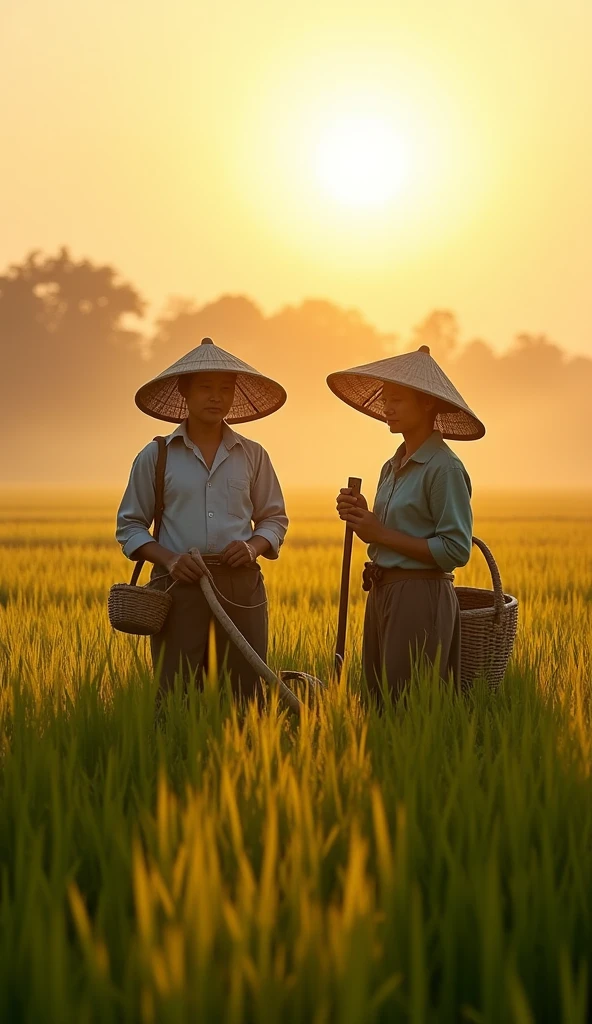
(488, 627)
(138, 610)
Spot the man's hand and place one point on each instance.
(186, 568)
(346, 500)
(239, 552)
(365, 524)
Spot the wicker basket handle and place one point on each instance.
(499, 603)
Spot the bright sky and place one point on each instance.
(395, 157)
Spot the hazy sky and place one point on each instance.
(394, 157)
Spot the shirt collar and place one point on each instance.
(425, 451)
(229, 437)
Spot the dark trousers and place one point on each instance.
(404, 619)
(183, 642)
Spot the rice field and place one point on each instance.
(200, 863)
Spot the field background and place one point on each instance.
(432, 864)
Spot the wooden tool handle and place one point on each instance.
(355, 484)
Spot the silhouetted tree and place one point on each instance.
(315, 329)
(439, 331)
(73, 356)
(81, 302)
(68, 354)
(231, 321)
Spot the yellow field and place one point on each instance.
(60, 559)
(431, 864)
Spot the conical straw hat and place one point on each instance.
(361, 387)
(255, 396)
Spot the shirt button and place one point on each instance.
(211, 515)
(209, 484)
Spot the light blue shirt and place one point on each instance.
(429, 497)
(237, 499)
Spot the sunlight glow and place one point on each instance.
(363, 172)
(361, 162)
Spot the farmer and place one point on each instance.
(223, 508)
(422, 523)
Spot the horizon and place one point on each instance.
(83, 365)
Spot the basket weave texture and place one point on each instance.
(137, 610)
(489, 619)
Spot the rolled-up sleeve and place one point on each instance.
(450, 504)
(136, 511)
(269, 511)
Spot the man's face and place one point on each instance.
(405, 410)
(209, 396)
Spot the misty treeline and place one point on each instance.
(76, 343)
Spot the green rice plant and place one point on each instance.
(196, 860)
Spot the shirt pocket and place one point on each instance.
(239, 499)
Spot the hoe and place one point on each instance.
(290, 675)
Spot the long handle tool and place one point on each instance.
(355, 484)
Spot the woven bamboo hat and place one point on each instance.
(255, 396)
(361, 387)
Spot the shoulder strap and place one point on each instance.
(159, 485)
(158, 499)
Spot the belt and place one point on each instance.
(216, 565)
(377, 575)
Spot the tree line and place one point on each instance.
(76, 343)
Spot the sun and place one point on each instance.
(360, 161)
